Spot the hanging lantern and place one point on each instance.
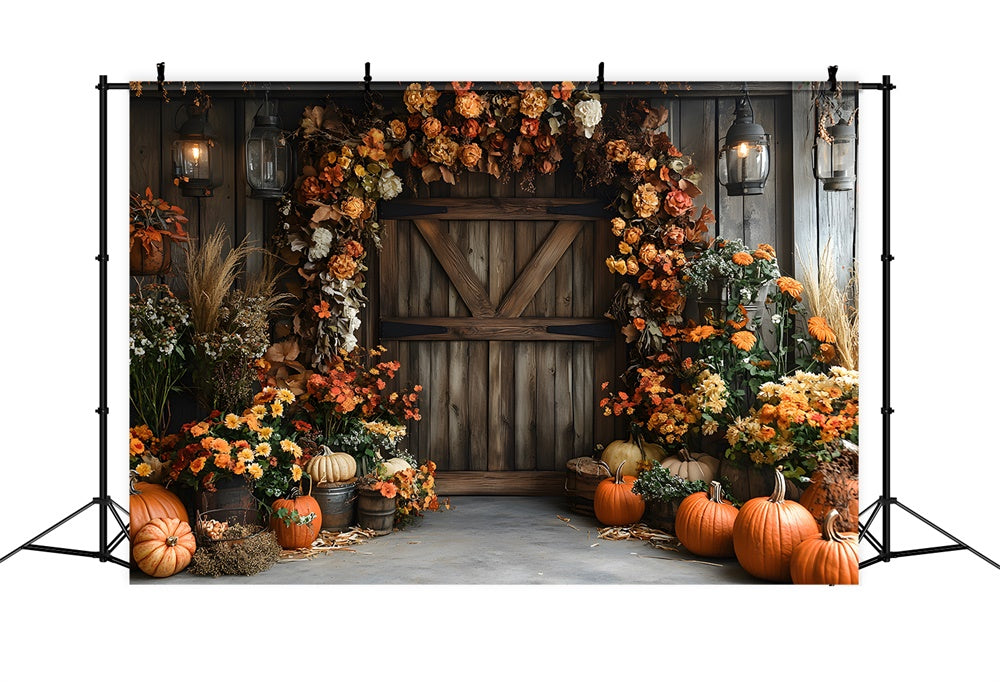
(268, 156)
(193, 155)
(835, 152)
(745, 155)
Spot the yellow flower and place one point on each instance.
(286, 445)
(245, 455)
(259, 410)
(285, 396)
(296, 450)
(135, 446)
(265, 433)
(263, 449)
(277, 408)
(233, 421)
(296, 472)
(255, 470)
(199, 429)
(617, 226)
(143, 470)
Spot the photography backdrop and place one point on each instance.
(94, 594)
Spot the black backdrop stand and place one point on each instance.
(886, 501)
(106, 505)
(103, 501)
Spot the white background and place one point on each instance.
(920, 618)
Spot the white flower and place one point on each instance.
(588, 114)
(389, 185)
(322, 238)
(776, 319)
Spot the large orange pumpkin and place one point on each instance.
(163, 547)
(817, 498)
(614, 502)
(826, 559)
(148, 501)
(766, 531)
(705, 523)
(295, 535)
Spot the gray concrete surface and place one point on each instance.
(491, 540)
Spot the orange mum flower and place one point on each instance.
(742, 322)
(743, 340)
(698, 334)
(198, 465)
(639, 323)
(764, 252)
(825, 353)
(820, 330)
(742, 258)
(790, 286)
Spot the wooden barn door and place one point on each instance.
(495, 306)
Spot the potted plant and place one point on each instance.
(663, 491)
(154, 224)
(395, 492)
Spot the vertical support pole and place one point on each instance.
(886, 317)
(102, 259)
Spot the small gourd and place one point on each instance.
(692, 467)
(395, 465)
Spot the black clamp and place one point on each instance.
(160, 68)
(887, 410)
(600, 77)
(101, 410)
(103, 258)
(832, 71)
(368, 76)
(886, 258)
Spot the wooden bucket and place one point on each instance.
(375, 512)
(582, 476)
(231, 493)
(336, 501)
(661, 515)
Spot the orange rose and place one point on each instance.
(647, 254)
(675, 235)
(469, 155)
(533, 102)
(354, 249)
(431, 127)
(470, 128)
(645, 200)
(469, 105)
(397, 129)
(677, 203)
(529, 127)
(343, 266)
(633, 234)
(616, 150)
(442, 150)
(352, 207)
(311, 189)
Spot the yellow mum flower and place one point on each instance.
(296, 472)
(255, 470)
(286, 445)
(245, 455)
(277, 408)
(263, 449)
(259, 410)
(143, 470)
(266, 432)
(233, 421)
(285, 396)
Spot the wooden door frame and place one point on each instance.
(501, 322)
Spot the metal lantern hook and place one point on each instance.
(832, 71)
(600, 77)
(368, 76)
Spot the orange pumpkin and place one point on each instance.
(614, 502)
(705, 523)
(148, 501)
(817, 496)
(294, 535)
(826, 559)
(766, 531)
(163, 547)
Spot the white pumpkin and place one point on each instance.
(331, 467)
(692, 466)
(395, 465)
(629, 452)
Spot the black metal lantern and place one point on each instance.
(745, 154)
(268, 155)
(835, 152)
(194, 156)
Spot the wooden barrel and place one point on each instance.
(375, 512)
(582, 476)
(336, 501)
(661, 515)
(231, 493)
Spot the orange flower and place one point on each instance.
(198, 465)
(743, 319)
(222, 460)
(562, 91)
(767, 414)
(354, 249)
(617, 226)
(698, 334)
(387, 488)
(820, 330)
(343, 267)
(199, 429)
(322, 311)
(743, 340)
(742, 258)
(633, 234)
(825, 353)
(790, 286)
(764, 252)
(352, 207)
(639, 323)
(135, 446)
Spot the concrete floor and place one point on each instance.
(492, 540)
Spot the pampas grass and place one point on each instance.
(826, 299)
(209, 276)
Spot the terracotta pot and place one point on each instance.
(748, 482)
(154, 262)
